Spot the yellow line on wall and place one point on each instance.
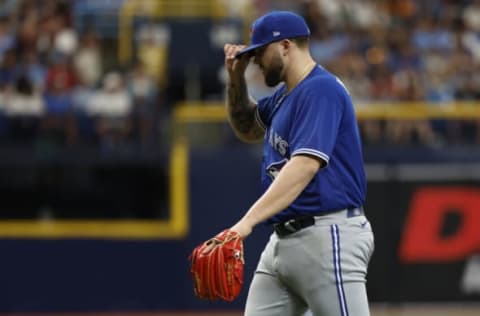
(175, 227)
(179, 188)
(101, 229)
(189, 112)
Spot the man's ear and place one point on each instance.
(286, 45)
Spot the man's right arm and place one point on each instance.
(240, 107)
(241, 112)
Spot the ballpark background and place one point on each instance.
(116, 159)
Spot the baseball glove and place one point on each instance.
(217, 267)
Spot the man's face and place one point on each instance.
(268, 58)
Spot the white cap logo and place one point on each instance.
(276, 33)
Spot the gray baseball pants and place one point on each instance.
(320, 269)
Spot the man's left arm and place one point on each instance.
(287, 186)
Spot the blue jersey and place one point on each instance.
(316, 118)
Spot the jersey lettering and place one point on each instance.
(278, 143)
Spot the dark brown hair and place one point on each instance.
(301, 41)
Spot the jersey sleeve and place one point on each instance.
(261, 113)
(316, 121)
(266, 106)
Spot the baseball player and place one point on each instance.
(312, 173)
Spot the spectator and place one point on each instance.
(470, 36)
(471, 16)
(8, 69)
(59, 120)
(353, 70)
(111, 108)
(407, 88)
(25, 101)
(145, 96)
(34, 70)
(87, 60)
(469, 90)
(25, 107)
(7, 38)
(61, 77)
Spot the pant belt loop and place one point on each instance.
(352, 212)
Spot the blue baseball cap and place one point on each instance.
(275, 26)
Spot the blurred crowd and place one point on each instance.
(394, 51)
(54, 85)
(54, 81)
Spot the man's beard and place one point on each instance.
(273, 75)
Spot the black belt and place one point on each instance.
(303, 221)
